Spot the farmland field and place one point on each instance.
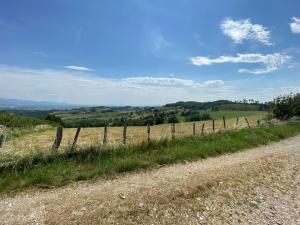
(40, 141)
(141, 116)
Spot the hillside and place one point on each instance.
(169, 113)
(17, 121)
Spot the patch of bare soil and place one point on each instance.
(258, 186)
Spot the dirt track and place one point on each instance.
(258, 186)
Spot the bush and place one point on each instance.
(195, 116)
(173, 119)
(287, 106)
(16, 121)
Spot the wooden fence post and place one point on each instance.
(125, 134)
(213, 125)
(2, 140)
(105, 136)
(173, 130)
(76, 137)
(148, 133)
(247, 122)
(202, 131)
(58, 137)
(224, 122)
(194, 129)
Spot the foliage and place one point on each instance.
(199, 105)
(287, 106)
(192, 115)
(173, 119)
(16, 121)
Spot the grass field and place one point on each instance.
(139, 116)
(62, 168)
(41, 140)
(233, 113)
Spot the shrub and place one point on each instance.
(287, 106)
(173, 119)
(12, 120)
(195, 116)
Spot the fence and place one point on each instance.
(116, 136)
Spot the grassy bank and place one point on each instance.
(61, 169)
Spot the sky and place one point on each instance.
(148, 52)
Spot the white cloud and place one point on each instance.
(173, 82)
(295, 25)
(288, 90)
(240, 30)
(271, 62)
(161, 81)
(213, 83)
(82, 88)
(79, 68)
(272, 93)
(268, 89)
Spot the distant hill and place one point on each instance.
(169, 113)
(33, 105)
(219, 105)
(199, 105)
(87, 116)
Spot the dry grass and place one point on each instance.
(219, 190)
(42, 141)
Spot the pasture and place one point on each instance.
(41, 140)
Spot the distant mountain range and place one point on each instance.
(34, 105)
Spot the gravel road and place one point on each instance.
(257, 186)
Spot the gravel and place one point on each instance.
(257, 186)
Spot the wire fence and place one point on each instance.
(60, 138)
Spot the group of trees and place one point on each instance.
(193, 115)
(287, 106)
(283, 107)
(17, 121)
(157, 117)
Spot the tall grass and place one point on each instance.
(83, 164)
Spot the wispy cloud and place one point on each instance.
(288, 90)
(161, 81)
(295, 25)
(213, 83)
(272, 93)
(268, 89)
(158, 40)
(78, 68)
(240, 30)
(172, 82)
(271, 62)
(83, 88)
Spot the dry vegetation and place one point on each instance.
(251, 187)
(42, 140)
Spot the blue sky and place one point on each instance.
(139, 52)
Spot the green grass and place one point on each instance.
(233, 113)
(17, 133)
(83, 164)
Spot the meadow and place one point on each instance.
(40, 139)
(61, 168)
